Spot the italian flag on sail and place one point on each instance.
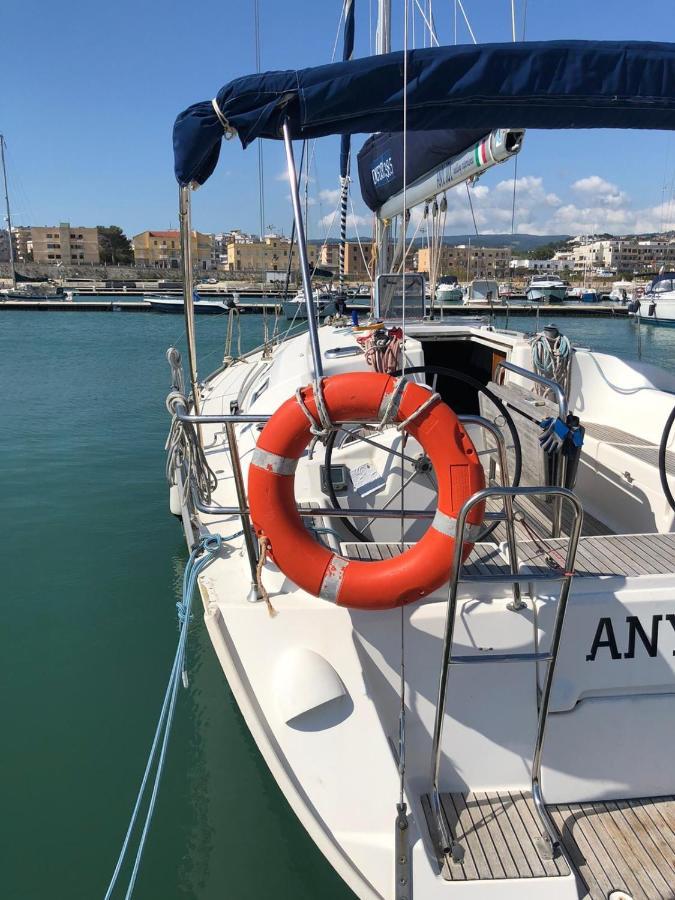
(480, 153)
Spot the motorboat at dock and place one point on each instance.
(482, 291)
(657, 305)
(165, 303)
(546, 289)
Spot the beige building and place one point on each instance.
(23, 245)
(625, 255)
(270, 255)
(355, 265)
(161, 249)
(63, 243)
(467, 261)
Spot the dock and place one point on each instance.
(597, 310)
(249, 306)
(118, 305)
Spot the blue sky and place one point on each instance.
(90, 92)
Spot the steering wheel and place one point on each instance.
(663, 474)
(435, 371)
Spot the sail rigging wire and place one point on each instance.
(358, 238)
(261, 175)
(466, 19)
(473, 215)
(429, 23)
(515, 158)
(409, 245)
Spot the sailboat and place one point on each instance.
(444, 594)
(25, 292)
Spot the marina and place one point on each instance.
(358, 582)
(252, 305)
(95, 702)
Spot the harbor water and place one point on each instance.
(92, 563)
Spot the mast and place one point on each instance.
(345, 147)
(9, 218)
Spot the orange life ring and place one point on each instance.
(363, 397)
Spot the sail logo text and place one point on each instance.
(640, 639)
(383, 170)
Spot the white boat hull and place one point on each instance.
(546, 294)
(335, 761)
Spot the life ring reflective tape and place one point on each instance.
(364, 397)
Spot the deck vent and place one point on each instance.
(309, 692)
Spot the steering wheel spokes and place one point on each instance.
(432, 373)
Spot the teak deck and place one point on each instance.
(622, 845)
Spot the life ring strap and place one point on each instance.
(448, 525)
(272, 462)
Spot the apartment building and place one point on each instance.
(23, 245)
(468, 261)
(539, 265)
(161, 249)
(358, 258)
(268, 255)
(64, 243)
(625, 255)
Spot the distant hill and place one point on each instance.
(517, 242)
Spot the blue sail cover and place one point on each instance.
(381, 159)
(553, 84)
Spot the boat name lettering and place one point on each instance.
(605, 637)
(383, 170)
(453, 170)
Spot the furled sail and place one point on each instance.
(380, 160)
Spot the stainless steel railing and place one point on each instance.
(229, 420)
(450, 849)
(550, 385)
(563, 410)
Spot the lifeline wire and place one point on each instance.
(209, 546)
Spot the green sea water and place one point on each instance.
(92, 562)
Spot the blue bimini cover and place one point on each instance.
(554, 84)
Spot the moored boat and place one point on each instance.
(165, 303)
(546, 289)
(657, 305)
(323, 301)
(481, 291)
(623, 291)
(448, 292)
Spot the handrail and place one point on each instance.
(450, 848)
(534, 376)
(244, 418)
(563, 410)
